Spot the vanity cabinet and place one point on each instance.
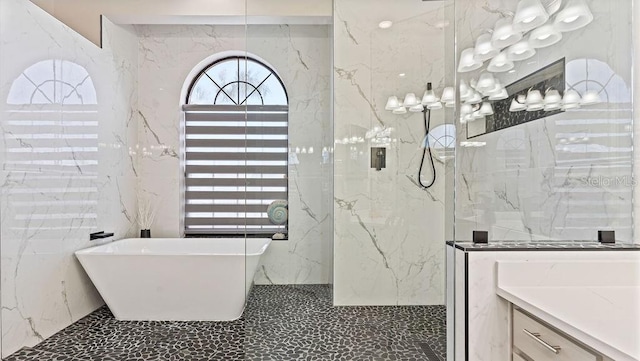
(538, 341)
(484, 320)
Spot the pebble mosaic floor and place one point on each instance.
(280, 323)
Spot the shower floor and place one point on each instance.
(279, 323)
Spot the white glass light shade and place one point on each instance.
(400, 110)
(552, 97)
(534, 101)
(529, 15)
(466, 109)
(504, 35)
(573, 16)
(435, 106)
(517, 104)
(416, 108)
(571, 99)
(590, 97)
(450, 104)
(500, 63)
(467, 61)
(552, 107)
(486, 82)
(410, 100)
(477, 116)
(486, 109)
(544, 36)
(500, 96)
(484, 49)
(534, 97)
(520, 51)
(465, 91)
(475, 99)
(448, 95)
(392, 103)
(497, 88)
(429, 97)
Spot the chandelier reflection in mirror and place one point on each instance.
(429, 101)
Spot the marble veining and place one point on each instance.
(300, 54)
(67, 125)
(388, 230)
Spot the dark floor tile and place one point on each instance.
(280, 323)
(29, 354)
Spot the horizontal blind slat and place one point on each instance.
(240, 208)
(235, 143)
(235, 117)
(227, 221)
(249, 109)
(237, 130)
(234, 169)
(235, 195)
(235, 182)
(231, 232)
(236, 156)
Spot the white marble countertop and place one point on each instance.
(603, 315)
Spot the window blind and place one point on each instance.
(236, 165)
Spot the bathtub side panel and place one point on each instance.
(170, 288)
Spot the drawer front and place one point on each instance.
(517, 357)
(530, 337)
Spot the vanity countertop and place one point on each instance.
(602, 311)
(544, 246)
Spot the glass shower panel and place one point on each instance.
(68, 164)
(389, 230)
(290, 83)
(552, 161)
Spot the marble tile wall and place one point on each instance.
(562, 177)
(66, 120)
(389, 232)
(301, 54)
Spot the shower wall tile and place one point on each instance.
(66, 122)
(562, 177)
(389, 232)
(301, 56)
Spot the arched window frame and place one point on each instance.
(256, 118)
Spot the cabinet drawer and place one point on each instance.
(535, 340)
(517, 357)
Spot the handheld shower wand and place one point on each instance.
(426, 113)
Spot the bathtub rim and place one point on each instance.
(98, 250)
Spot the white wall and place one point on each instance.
(84, 16)
(66, 169)
(301, 56)
(389, 233)
(636, 123)
(554, 178)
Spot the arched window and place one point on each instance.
(236, 148)
(51, 138)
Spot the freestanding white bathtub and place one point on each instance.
(174, 279)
